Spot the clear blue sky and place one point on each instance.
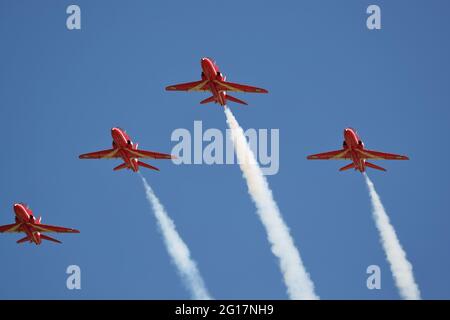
(61, 91)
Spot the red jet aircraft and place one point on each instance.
(214, 81)
(124, 148)
(32, 227)
(353, 149)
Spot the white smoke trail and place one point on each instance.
(401, 268)
(298, 283)
(177, 249)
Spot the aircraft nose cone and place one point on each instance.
(206, 62)
(18, 209)
(115, 131)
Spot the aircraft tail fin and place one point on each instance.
(349, 166)
(374, 166)
(208, 100)
(143, 164)
(121, 166)
(231, 98)
(43, 236)
(23, 239)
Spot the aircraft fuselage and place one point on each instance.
(352, 142)
(211, 72)
(24, 216)
(122, 141)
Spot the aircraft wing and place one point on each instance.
(189, 86)
(150, 154)
(48, 228)
(331, 155)
(10, 228)
(370, 154)
(104, 154)
(236, 87)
